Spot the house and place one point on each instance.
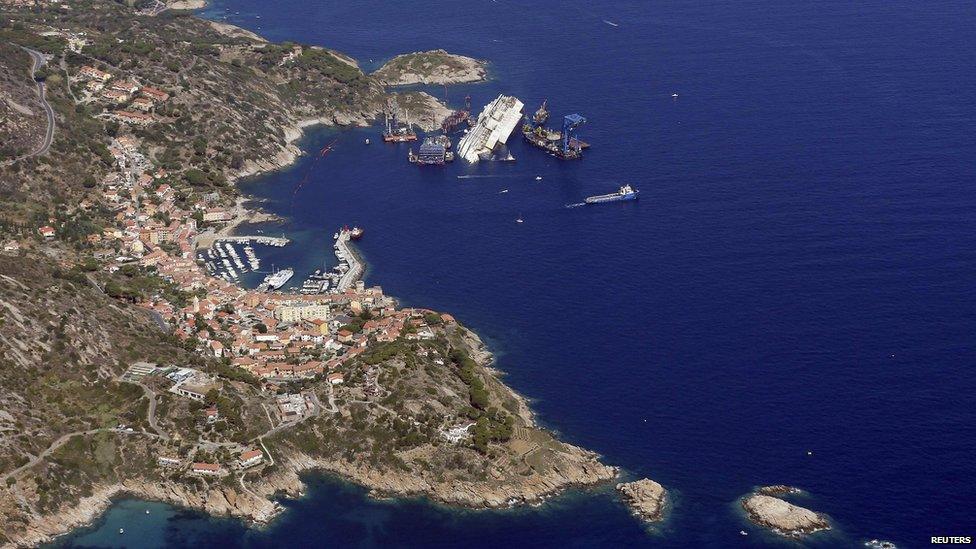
(251, 458)
(296, 313)
(217, 215)
(91, 73)
(126, 86)
(95, 86)
(345, 336)
(154, 93)
(115, 96)
(217, 348)
(47, 232)
(335, 378)
(196, 392)
(205, 468)
(166, 461)
(142, 103)
(131, 117)
(211, 414)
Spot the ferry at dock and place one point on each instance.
(278, 279)
(625, 193)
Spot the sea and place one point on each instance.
(791, 300)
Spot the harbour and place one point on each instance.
(709, 272)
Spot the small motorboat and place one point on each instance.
(538, 178)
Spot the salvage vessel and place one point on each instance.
(625, 193)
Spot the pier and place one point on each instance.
(276, 241)
(346, 256)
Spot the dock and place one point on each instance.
(276, 241)
(347, 256)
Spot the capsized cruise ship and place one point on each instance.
(495, 123)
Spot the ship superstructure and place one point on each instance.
(495, 124)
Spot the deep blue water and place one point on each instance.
(798, 275)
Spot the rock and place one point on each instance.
(783, 517)
(778, 490)
(431, 67)
(645, 497)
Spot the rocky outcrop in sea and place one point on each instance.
(645, 497)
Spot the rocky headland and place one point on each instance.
(782, 517)
(431, 67)
(645, 497)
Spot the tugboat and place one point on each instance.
(625, 193)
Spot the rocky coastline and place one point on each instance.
(781, 516)
(252, 499)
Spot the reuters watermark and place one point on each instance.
(952, 540)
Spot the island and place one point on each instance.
(780, 516)
(645, 497)
(128, 368)
(431, 67)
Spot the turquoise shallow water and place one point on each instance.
(797, 275)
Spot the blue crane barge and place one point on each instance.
(564, 144)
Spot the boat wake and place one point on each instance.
(576, 205)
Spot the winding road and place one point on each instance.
(38, 61)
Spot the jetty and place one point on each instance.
(348, 258)
(276, 241)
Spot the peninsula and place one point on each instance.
(431, 67)
(126, 369)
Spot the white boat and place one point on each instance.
(278, 279)
(495, 124)
(538, 178)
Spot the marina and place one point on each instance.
(345, 274)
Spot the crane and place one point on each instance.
(570, 124)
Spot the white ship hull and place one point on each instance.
(495, 124)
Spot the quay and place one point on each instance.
(277, 241)
(206, 240)
(346, 255)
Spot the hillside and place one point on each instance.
(126, 368)
(22, 120)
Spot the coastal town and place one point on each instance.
(139, 361)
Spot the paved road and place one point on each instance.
(38, 61)
(151, 413)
